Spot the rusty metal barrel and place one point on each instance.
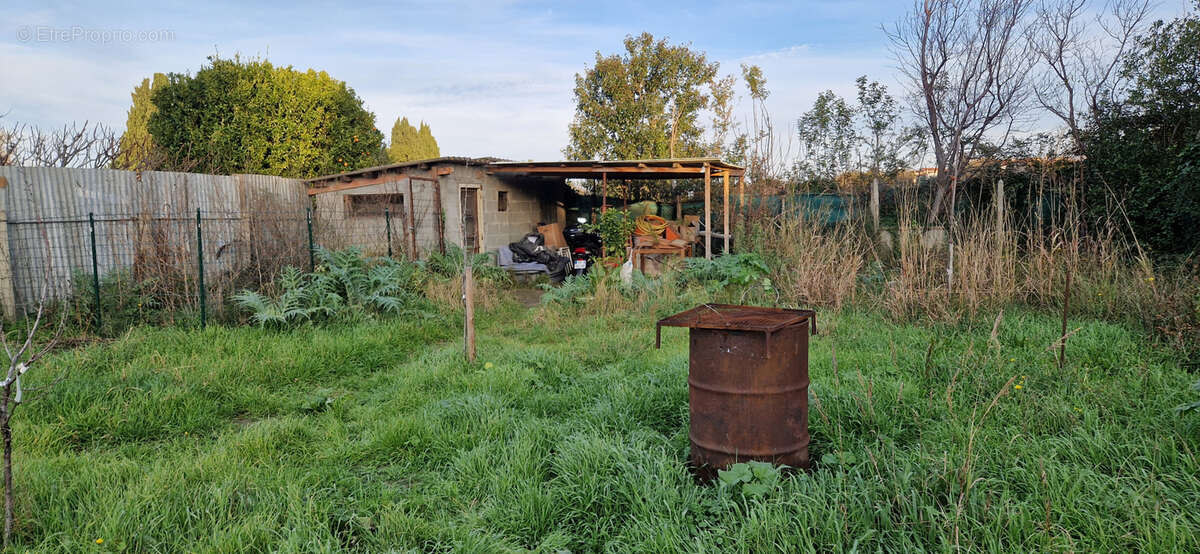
(747, 384)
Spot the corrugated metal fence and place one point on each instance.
(59, 222)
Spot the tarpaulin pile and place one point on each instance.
(532, 248)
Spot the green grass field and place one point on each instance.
(570, 434)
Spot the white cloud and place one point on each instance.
(50, 88)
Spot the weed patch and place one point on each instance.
(570, 432)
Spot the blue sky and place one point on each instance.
(491, 78)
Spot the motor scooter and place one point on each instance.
(585, 246)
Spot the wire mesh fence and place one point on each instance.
(168, 261)
(109, 271)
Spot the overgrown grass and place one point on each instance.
(997, 262)
(570, 433)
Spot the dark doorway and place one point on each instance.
(469, 201)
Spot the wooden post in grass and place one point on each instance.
(8, 298)
(469, 311)
(1062, 340)
(468, 294)
(875, 204)
(1000, 204)
(707, 213)
(725, 212)
(603, 192)
(742, 201)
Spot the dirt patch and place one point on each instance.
(243, 420)
(71, 343)
(528, 297)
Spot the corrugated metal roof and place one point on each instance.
(652, 169)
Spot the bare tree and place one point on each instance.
(1081, 53)
(10, 143)
(22, 356)
(74, 145)
(767, 157)
(967, 66)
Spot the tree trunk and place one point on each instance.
(6, 431)
(938, 197)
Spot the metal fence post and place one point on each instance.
(200, 264)
(387, 223)
(312, 264)
(95, 273)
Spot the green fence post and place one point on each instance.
(387, 222)
(200, 264)
(95, 273)
(312, 264)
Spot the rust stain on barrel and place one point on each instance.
(747, 384)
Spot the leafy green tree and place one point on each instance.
(645, 103)
(1147, 149)
(880, 118)
(137, 147)
(827, 137)
(236, 116)
(409, 143)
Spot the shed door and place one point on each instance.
(469, 201)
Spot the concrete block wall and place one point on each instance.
(524, 213)
(530, 201)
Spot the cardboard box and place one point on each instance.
(554, 236)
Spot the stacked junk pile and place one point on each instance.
(655, 239)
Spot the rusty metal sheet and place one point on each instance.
(736, 318)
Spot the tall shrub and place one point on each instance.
(253, 117)
(1147, 150)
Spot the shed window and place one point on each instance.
(369, 205)
(502, 201)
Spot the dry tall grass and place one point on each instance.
(448, 293)
(999, 259)
(810, 264)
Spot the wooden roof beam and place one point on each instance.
(595, 169)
